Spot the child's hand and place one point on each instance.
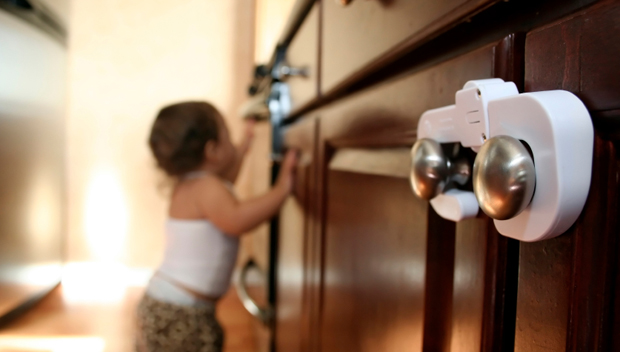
(248, 137)
(286, 178)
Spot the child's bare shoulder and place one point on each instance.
(212, 188)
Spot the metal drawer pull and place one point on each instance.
(494, 120)
(264, 315)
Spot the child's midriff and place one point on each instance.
(194, 293)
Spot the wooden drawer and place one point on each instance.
(357, 36)
(303, 52)
(389, 113)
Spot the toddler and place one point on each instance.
(191, 143)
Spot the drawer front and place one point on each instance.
(356, 35)
(303, 52)
(389, 113)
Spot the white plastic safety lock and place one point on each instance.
(533, 168)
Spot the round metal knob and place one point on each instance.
(429, 169)
(504, 177)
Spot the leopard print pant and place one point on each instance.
(166, 327)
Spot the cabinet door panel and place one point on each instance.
(567, 285)
(290, 272)
(469, 262)
(375, 260)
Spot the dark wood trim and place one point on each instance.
(316, 214)
(510, 59)
(502, 258)
(325, 153)
(500, 292)
(607, 123)
(316, 238)
(614, 344)
(595, 258)
(407, 138)
(296, 18)
(319, 66)
(591, 35)
(439, 283)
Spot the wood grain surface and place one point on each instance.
(567, 284)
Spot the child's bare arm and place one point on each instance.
(235, 217)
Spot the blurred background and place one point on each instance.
(95, 203)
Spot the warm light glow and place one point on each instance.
(52, 344)
(106, 216)
(44, 209)
(100, 282)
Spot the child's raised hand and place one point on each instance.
(287, 171)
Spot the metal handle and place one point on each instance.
(264, 315)
(504, 177)
(286, 71)
(432, 171)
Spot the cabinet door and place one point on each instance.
(569, 293)
(291, 318)
(395, 276)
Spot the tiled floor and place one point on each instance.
(61, 324)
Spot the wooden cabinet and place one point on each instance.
(567, 293)
(364, 265)
(303, 53)
(388, 259)
(364, 33)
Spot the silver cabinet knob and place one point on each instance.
(504, 177)
(431, 170)
(286, 71)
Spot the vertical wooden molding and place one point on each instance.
(502, 258)
(595, 259)
(439, 283)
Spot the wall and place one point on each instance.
(128, 59)
(271, 17)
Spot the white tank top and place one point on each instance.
(199, 256)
